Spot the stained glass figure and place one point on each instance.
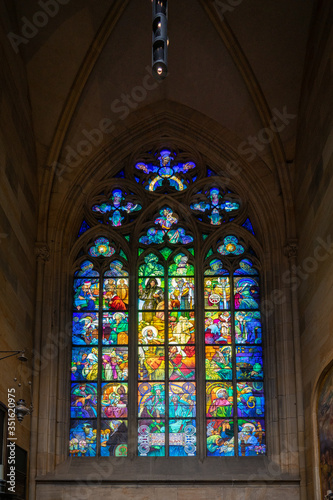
(102, 248)
(181, 328)
(116, 269)
(166, 221)
(84, 363)
(83, 228)
(166, 170)
(151, 400)
(251, 438)
(114, 400)
(249, 363)
(248, 327)
(248, 225)
(215, 204)
(219, 399)
(246, 293)
(85, 328)
(84, 400)
(115, 207)
(182, 362)
(220, 438)
(151, 267)
(181, 293)
(151, 294)
(181, 267)
(217, 293)
(114, 363)
(114, 438)
(182, 438)
(115, 294)
(83, 438)
(219, 363)
(216, 268)
(115, 328)
(217, 327)
(151, 332)
(246, 268)
(86, 269)
(250, 400)
(230, 246)
(151, 362)
(86, 294)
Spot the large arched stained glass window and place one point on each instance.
(166, 337)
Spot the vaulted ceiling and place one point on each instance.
(233, 61)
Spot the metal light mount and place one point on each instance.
(8, 354)
(160, 39)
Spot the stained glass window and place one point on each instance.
(166, 305)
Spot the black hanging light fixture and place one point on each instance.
(160, 39)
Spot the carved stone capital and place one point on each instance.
(291, 249)
(42, 251)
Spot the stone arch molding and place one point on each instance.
(167, 123)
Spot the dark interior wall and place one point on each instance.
(18, 219)
(314, 217)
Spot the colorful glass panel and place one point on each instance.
(114, 363)
(246, 268)
(246, 293)
(115, 328)
(219, 363)
(182, 362)
(215, 204)
(181, 267)
(181, 293)
(231, 246)
(116, 269)
(114, 438)
(84, 400)
(151, 400)
(182, 438)
(83, 438)
(86, 294)
(102, 248)
(166, 221)
(220, 438)
(251, 438)
(151, 294)
(151, 438)
(248, 327)
(151, 329)
(151, 362)
(217, 327)
(250, 400)
(115, 294)
(85, 328)
(249, 363)
(216, 268)
(87, 269)
(151, 266)
(115, 207)
(217, 293)
(181, 328)
(165, 170)
(84, 363)
(219, 399)
(114, 400)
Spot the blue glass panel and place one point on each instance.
(182, 438)
(84, 227)
(248, 327)
(85, 328)
(83, 438)
(220, 438)
(84, 363)
(250, 400)
(246, 268)
(114, 438)
(249, 363)
(84, 400)
(246, 293)
(251, 438)
(151, 438)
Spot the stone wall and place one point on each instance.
(18, 221)
(314, 201)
